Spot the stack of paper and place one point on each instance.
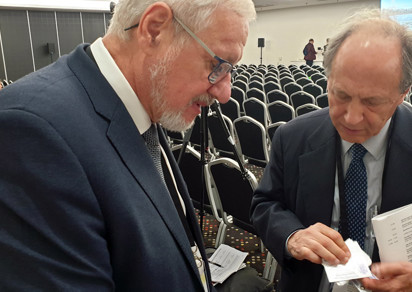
(393, 231)
(225, 261)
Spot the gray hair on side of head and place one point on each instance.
(388, 27)
(194, 13)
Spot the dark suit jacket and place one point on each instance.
(82, 207)
(297, 187)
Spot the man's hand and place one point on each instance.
(318, 242)
(393, 277)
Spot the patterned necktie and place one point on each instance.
(152, 141)
(356, 195)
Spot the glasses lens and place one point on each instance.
(220, 71)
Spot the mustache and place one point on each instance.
(205, 98)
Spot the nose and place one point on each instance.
(354, 113)
(221, 90)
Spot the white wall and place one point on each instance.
(287, 31)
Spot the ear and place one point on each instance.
(156, 24)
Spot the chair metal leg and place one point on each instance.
(270, 267)
(221, 234)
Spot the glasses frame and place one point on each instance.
(220, 70)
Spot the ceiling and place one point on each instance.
(278, 4)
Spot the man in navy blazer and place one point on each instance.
(297, 208)
(82, 205)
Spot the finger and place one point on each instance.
(393, 269)
(317, 242)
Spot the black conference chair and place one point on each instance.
(306, 108)
(238, 94)
(252, 140)
(271, 85)
(300, 98)
(256, 109)
(221, 145)
(256, 93)
(322, 100)
(191, 168)
(272, 129)
(291, 88)
(231, 109)
(280, 111)
(275, 95)
(323, 82)
(313, 89)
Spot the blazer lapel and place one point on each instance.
(317, 168)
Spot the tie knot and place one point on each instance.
(358, 151)
(150, 136)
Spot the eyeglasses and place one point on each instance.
(220, 70)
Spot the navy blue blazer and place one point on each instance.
(82, 207)
(297, 188)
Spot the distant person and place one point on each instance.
(309, 53)
(325, 47)
(308, 201)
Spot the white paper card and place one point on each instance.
(357, 266)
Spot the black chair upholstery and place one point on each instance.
(291, 88)
(256, 109)
(275, 95)
(313, 89)
(221, 145)
(231, 109)
(280, 111)
(306, 108)
(252, 140)
(272, 129)
(322, 100)
(300, 98)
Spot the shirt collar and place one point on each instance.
(376, 145)
(121, 86)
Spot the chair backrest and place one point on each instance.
(191, 168)
(299, 74)
(291, 88)
(238, 94)
(285, 80)
(272, 129)
(255, 85)
(257, 78)
(313, 89)
(218, 135)
(300, 97)
(271, 85)
(240, 84)
(322, 100)
(271, 78)
(306, 108)
(280, 111)
(252, 140)
(304, 81)
(231, 109)
(256, 93)
(323, 82)
(275, 95)
(317, 76)
(234, 191)
(243, 78)
(256, 109)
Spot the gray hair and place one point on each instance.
(194, 13)
(387, 27)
